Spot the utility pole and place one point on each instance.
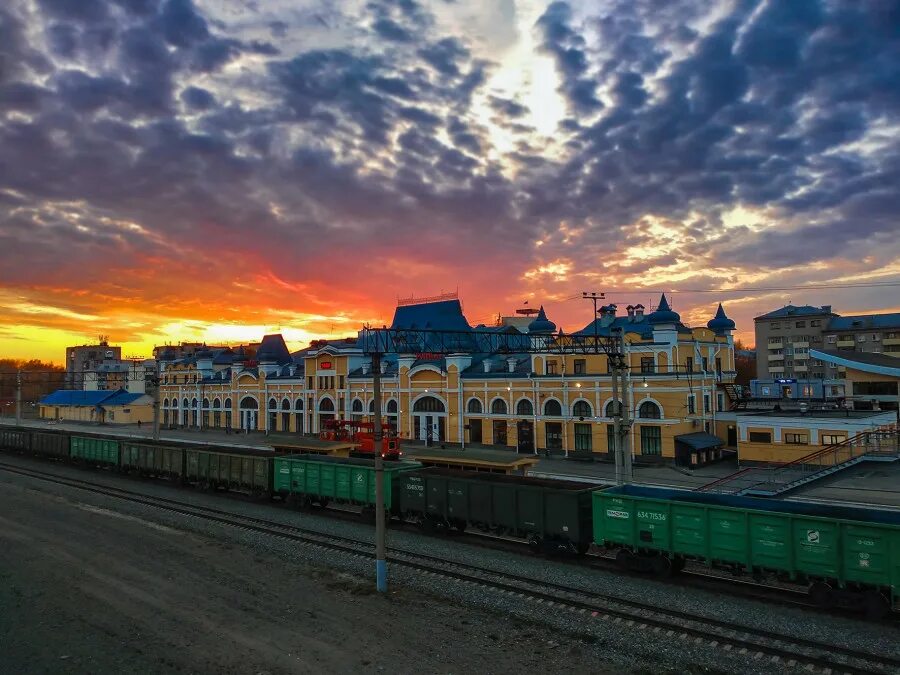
(594, 297)
(156, 383)
(18, 397)
(380, 525)
(626, 408)
(617, 419)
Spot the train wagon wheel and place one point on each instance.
(582, 548)
(624, 559)
(821, 594)
(662, 566)
(875, 605)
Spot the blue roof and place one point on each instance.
(272, 349)
(90, 398)
(663, 313)
(122, 398)
(865, 322)
(441, 315)
(720, 323)
(700, 440)
(541, 324)
(793, 310)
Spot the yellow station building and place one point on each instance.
(530, 401)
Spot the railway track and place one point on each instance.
(752, 643)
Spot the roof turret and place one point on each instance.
(720, 322)
(663, 313)
(541, 323)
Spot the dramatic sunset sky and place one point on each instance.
(216, 169)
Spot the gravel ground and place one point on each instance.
(87, 589)
(623, 647)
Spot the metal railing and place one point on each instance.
(778, 477)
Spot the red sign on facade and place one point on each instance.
(325, 365)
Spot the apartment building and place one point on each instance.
(868, 334)
(784, 338)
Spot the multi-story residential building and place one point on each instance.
(867, 334)
(528, 401)
(86, 358)
(784, 338)
(130, 375)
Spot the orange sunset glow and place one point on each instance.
(214, 173)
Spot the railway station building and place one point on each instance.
(530, 401)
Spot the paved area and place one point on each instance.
(877, 484)
(86, 587)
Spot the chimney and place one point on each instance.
(487, 365)
(384, 366)
(826, 309)
(366, 367)
(638, 311)
(511, 364)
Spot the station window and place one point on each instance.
(692, 404)
(611, 438)
(341, 381)
(796, 439)
(833, 439)
(552, 368)
(309, 382)
(580, 366)
(648, 364)
(775, 325)
(800, 324)
(706, 403)
(651, 440)
(689, 364)
(720, 402)
(760, 437)
(583, 437)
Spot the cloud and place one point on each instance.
(168, 161)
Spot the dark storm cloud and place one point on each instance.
(568, 49)
(135, 113)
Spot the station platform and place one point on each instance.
(863, 485)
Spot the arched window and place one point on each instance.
(217, 403)
(474, 406)
(553, 408)
(298, 404)
(498, 406)
(285, 404)
(649, 411)
(613, 408)
(524, 407)
(356, 406)
(326, 404)
(165, 403)
(428, 404)
(372, 407)
(228, 404)
(184, 403)
(193, 403)
(206, 403)
(392, 407)
(273, 404)
(581, 409)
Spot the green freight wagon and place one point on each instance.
(94, 450)
(245, 471)
(552, 515)
(14, 439)
(50, 444)
(846, 556)
(153, 460)
(323, 479)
